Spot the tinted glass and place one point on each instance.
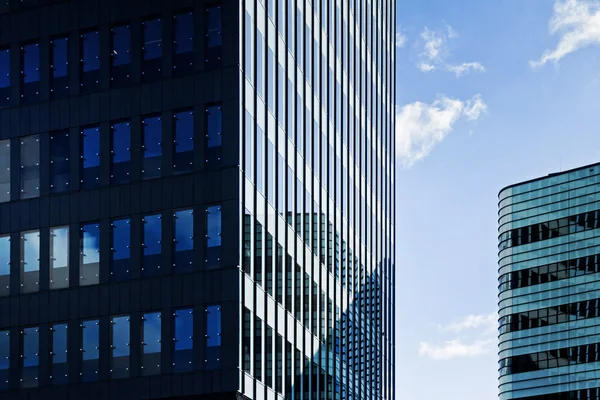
(213, 337)
(121, 249)
(213, 137)
(152, 49)
(31, 73)
(30, 261)
(4, 77)
(90, 352)
(213, 36)
(183, 154)
(183, 43)
(59, 370)
(4, 170)
(119, 360)
(59, 68)
(90, 254)
(30, 340)
(59, 257)
(59, 162)
(151, 343)
(4, 265)
(152, 147)
(120, 152)
(184, 240)
(4, 359)
(30, 166)
(121, 55)
(90, 62)
(90, 157)
(213, 236)
(152, 244)
(183, 340)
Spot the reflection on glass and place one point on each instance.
(152, 49)
(4, 265)
(90, 61)
(121, 55)
(183, 44)
(121, 249)
(4, 170)
(30, 166)
(183, 340)
(59, 162)
(120, 155)
(30, 73)
(213, 237)
(30, 261)
(4, 78)
(90, 350)
(151, 343)
(89, 264)
(213, 36)
(151, 147)
(30, 358)
(152, 244)
(59, 368)
(59, 257)
(59, 68)
(213, 137)
(213, 337)
(90, 157)
(119, 358)
(183, 149)
(4, 359)
(184, 240)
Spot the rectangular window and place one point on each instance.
(90, 350)
(90, 158)
(30, 359)
(214, 40)
(59, 371)
(151, 343)
(258, 346)
(260, 159)
(4, 170)
(121, 250)
(183, 341)
(271, 170)
(4, 80)
(213, 136)
(4, 266)
(120, 153)
(183, 239)
(249, 48)
(59, 257)
(59, 162)
(183, 148)
(119, 347)
(151, 147)
(152, 50)
(4, 359)
(59, 67)
(89, 263)
(30, 166)
(90, 61)
(213, 337)
(271, 80)
(120, 56)
(213, 237)
(30, 73)
(260, 64)
(246, 331)
(183, 43)
(151, 244)
(30, 261)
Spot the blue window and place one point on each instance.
(151, 244)
(183, 341)
(90, 157)
(89, 263)
(260, 64)
(213, 36)
(90, 61)
(59, 371)
(90, 350)
(4, 359)
(30, 358)
(271, 80)
(152, 147)
(213, 337)
(119, 349)
(120, 154)
(4, 78)
(121, 250)
(120, 57)
(248, 48)
(151, 343)
(271, 172)
(4, 267)
(183, 148)
(30, 91)
(30, 166)
(260, 159)
(30, 261)
(183, 252)
(213, 136)
(4, 170)
(59, 67)
(183, 43)
(152, 50)
(59, 257)
(59, 162)
(213, 237)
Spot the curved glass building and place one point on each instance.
(549, 291)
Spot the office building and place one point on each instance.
(549, 302)
(197, 199)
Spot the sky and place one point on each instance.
(488, 93)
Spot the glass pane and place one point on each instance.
(152, 49)
(121, 249)
(213, 137)
(184, 240)
(183, 149)
(151, 343)
(30, 261)
(90, 61)
(213, 36)
(30, 357)
(59, 162)
(89, 264)
(152, 244)
(213, 337)
(121, 55)
(4, 359)
(183, 340)
(59, 257)
(120, 153)
(90, 352)
(59, 370)
(119, 360)
(59, 68)
(4, 170)
(90, 157)
(30, 166)
(152, 147)
(31, 73)
(213, 237)
(4, 79)
(4, 266)
(183, 44)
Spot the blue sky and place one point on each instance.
(489, 93)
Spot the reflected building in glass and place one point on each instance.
(549, 303)
(197, 199)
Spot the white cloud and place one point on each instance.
(489, 322)
(455, 348)
(401, 38)
(420, 126)
(578, 22)
(424, 67)
(466, 68)
(434, 44)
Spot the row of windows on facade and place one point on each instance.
(581, 394)
(119, 56)
(152, 143)
(59, 344)
(60, 241)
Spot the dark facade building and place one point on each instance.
(197, 199)
(549, 302)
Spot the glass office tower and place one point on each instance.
(549, 300)
(197, 199)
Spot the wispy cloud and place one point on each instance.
(455, 348)
(420, 126)
(401, 38)
(489, 322)
(578, 23)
